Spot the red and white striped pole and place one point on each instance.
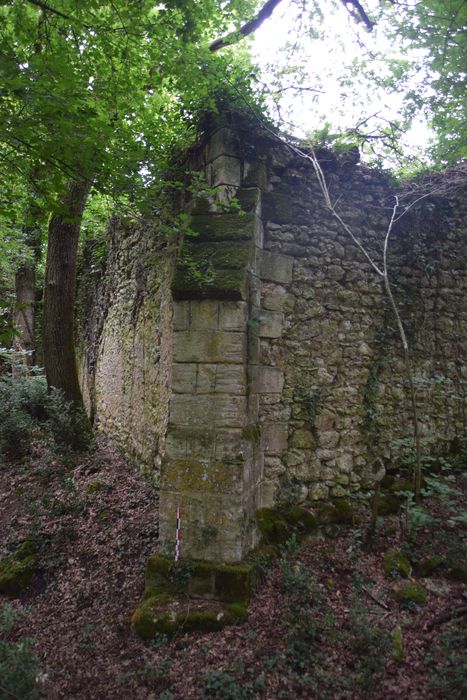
(178, 536)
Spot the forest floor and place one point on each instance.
(323, 623)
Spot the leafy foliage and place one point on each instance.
(19, 665)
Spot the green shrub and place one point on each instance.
(19, 665)
(27, 409)
(223, 686)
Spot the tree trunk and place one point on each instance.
(23, 315)
(25, 284)
(59, 294)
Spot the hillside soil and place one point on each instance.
(323, 623)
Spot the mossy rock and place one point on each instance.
(300, 519)
(337, 512)
(272, 526)
(164, 615)
(389, 504)
(410, 593)
(224, 582)
(277, 525)
(458, 573)
(16, 574)
(396, 563)
(426, 566)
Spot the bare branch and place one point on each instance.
(248, 28)
(356, 10)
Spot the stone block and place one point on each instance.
(274, 437)
(190, 442)
(220, 284)
(204, 315)
(210, 411)
(233, 315)
(270, 324)
(275, 267)
(223, 142)
(181, 315)
(231, 445)
(224, 170)
(266, 380)
(279, 208)
(255, 175)
(191, 475)
(224, 227)
(207, 346)
(184, 377)
(276, 298)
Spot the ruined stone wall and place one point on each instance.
(125, 312)
(266, 364)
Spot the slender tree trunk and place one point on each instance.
(59, 293)
(23, 315)
(25, 286)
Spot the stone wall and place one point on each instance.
(268, 366)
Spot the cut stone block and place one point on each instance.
(275, 267)
(217, 411)
(270, 324)
(204, 315)
(267, 380)
(225, 170)
(233, 316)
(274, 437)
(190, 475)
(181, 316)
(222, 142)
(227, 347)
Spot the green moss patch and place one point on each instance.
(277, 525)
(338, 512)
(458, 573)
(425, 567)
(16, 575)
(161, 616)
(18, 568)
(410, 593)
(396, 563)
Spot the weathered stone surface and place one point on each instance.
(205, 346)
(279, 323)
(220, 410)
(268, 380)
(274, 437)
(275, 267)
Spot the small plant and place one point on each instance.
(223, 686)
(19, 665)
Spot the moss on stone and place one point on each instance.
(226, 285)
(224, 227)
(16, 574)
(428, 565)
(299, 519)
(337, 512)
(277, 525)
(163, 615)
(272, 526)
(252, 432)
(458, 573)
(396, 563)
(388, 504)
(233, 583)
(412, 592)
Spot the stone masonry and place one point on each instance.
(277, 371)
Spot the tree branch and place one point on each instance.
(248, 28)
(356, 10)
